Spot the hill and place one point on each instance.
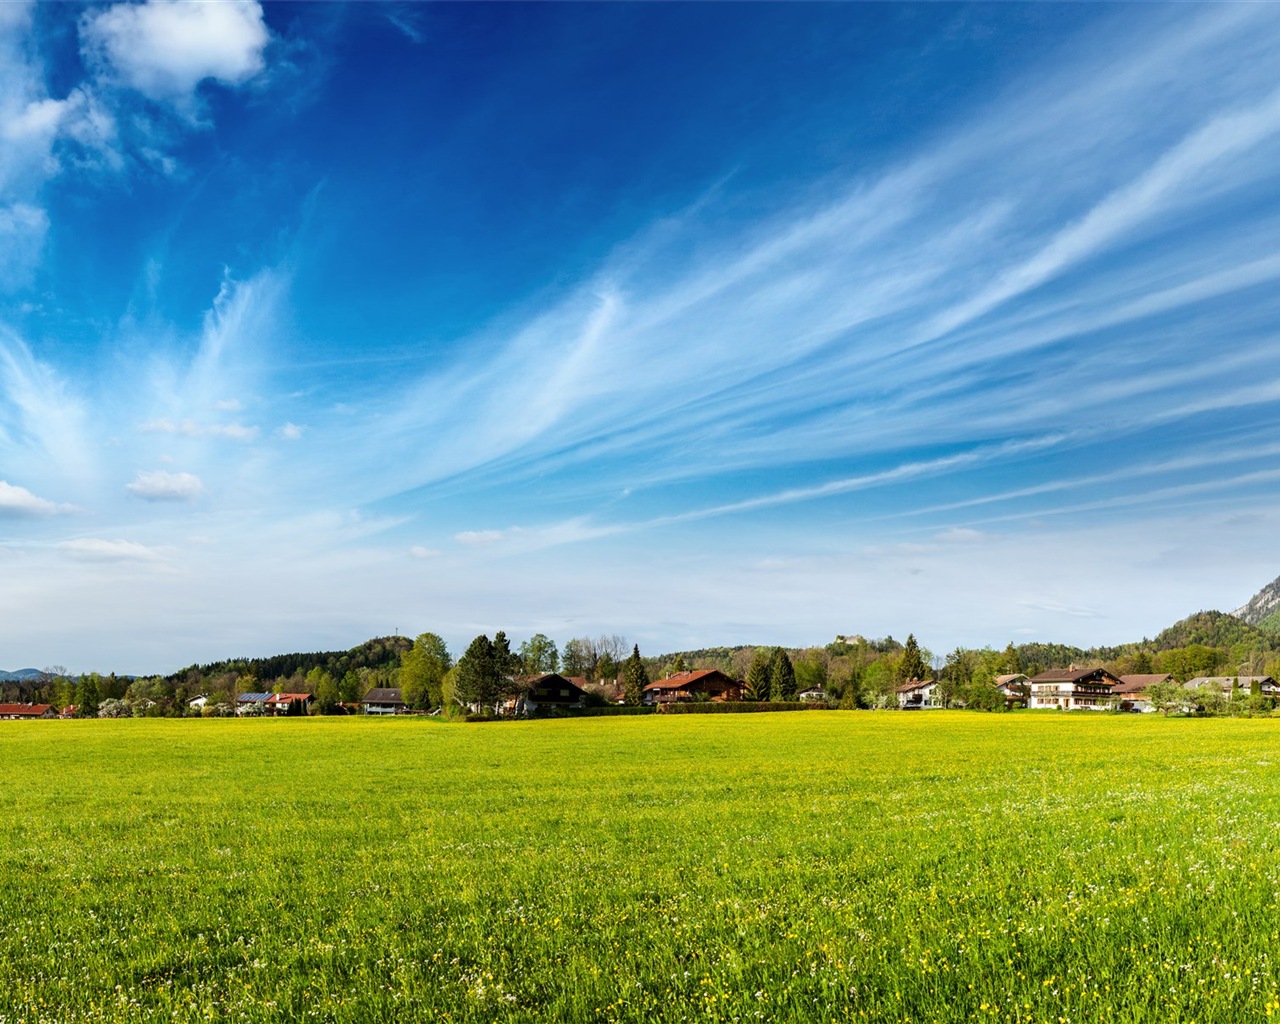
(378, 653)
(19, 675)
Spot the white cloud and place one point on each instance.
(93, 549)
(228, 405)
(291, 432)
(190, 428)
(484, 538)
(18, 502)
(418, 551)
(165, 49)
(159, 485)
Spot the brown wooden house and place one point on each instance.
(707, 684)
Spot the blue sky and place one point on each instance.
(701, 324)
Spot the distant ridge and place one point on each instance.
(1263, 609)
(19, 675)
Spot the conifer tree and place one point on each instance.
(757, 687)
(782, 676)
(634, 678)
(477, 681)
(912, 665)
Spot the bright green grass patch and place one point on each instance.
(791, 867)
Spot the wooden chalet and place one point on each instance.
(1073, 688)
(539, 694)
(710, 684)
(383, 700)
(17, 712)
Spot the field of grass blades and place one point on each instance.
(841, 866)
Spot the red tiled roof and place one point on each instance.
(914, 684)
(32, 710)
(287, 698)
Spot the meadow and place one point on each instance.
(837, 866)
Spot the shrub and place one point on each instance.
(734, 707)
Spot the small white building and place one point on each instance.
(918, 693)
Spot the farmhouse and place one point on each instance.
(20, 711)
(1014, 688)
(288, 703)
(1229, 684)
(252, 703)
(1071, 688)
(918, 693)
(813, 694)
(548, 692)
(706, 684)
(1132, 690)
(383, 700)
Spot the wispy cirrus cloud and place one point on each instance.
(96, 549)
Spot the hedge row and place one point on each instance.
(737, 707)
(617, 709)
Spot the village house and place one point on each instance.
(288, 703)
(1131, 691)
(1238, 685)
(705, 684)
(813, 694)
(383, 700)
(535, 694)
(17, 712)
(1015, 688)
(1073, 688)
(252, 703)
(918, 693)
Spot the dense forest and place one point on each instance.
(853, 671)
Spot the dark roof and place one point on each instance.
(254, 698)
(384, 695)
(1138, 683)
(684, 680)
(1072, 675)
(531, 682)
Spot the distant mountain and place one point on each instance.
(20, 675)
(1263, 609)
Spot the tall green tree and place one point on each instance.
(478, 678)
(505, 660)
(782, 676)
(87, 696)
(757, 687)
(538, 655)
(912, 665)
(634, 678)
(422, 669)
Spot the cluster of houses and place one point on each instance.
(1090, 689)
(1066, 689)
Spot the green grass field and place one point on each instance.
(799, 867)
